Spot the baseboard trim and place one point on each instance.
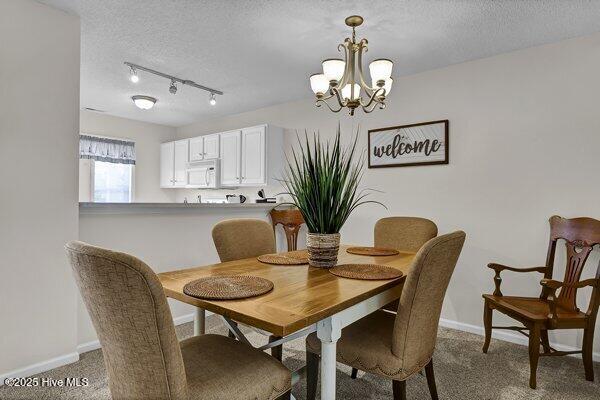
(95, 344)
(40, 367)
(506, 336)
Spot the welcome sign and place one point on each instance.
(401, 146)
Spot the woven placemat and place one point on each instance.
(365, 271)
(298, 257)
(228, 287)
(372, 251)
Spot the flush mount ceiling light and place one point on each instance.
(144, 102)
(134, 68)
(343, 80)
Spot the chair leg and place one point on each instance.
(487, 323)
(277, 351)
(312, 375)
(431, 380)
(534, 353)
(230, 334)
(354, 373)
(588, 345)
(545, 341)
(286, 396)
(399, 389)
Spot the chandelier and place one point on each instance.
(343, 80)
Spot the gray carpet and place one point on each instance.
(462, 372)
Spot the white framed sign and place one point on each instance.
(416, 144)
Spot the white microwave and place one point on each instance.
(203, 175)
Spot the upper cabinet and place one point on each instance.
(204, 147)
(173, 164)
(248, 157)
(253, 156)
(230, 158)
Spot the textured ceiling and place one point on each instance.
(261, 52)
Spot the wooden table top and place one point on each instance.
(302, 295)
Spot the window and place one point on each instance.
(112, 165)
(111, 182)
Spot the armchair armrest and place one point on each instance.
(551, 286)
(499, 268)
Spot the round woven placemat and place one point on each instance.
(297, 257)
(365, 271)
(372, 251)
(228, 287)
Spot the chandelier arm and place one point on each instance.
(375, 97)
(340, 99)
(328, 106)
(342, 82)
(368, 110)
(363, 45)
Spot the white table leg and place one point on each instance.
(199, 322)
(329, 331)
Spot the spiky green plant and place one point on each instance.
(323, 180)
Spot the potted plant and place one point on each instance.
(322, 180)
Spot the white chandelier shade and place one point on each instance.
(342, 80)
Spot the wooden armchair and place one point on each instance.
(551, 310)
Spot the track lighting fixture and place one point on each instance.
(145, 103)
(173, 87)
(133, 75)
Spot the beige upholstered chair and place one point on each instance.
(397, 346)
(404, 233)
(142, 356)
(236, 239)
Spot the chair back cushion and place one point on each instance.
(404, 233)
(415, 328)
(129, 310)
(236, 239)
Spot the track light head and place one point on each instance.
(173, 87)
(212, 100)
(133, 75)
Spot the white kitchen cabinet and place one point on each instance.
(196, 149)
(211, 146)
(173, 164)
(204, 147)
(253, 156)
(230, 158)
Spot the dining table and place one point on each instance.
(304, 300)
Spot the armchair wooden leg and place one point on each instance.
(588, 345)
(487, 323)
(312, 375)
(277, 351)
(431, 380)
(545, 340)
(534, 353)
(354, 373)
(399, 388)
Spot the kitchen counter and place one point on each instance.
(152, 208)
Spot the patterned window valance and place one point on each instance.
(107, 150)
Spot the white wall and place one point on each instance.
(166, 239)
(39, 125)
(524, 140)
(147, 138)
